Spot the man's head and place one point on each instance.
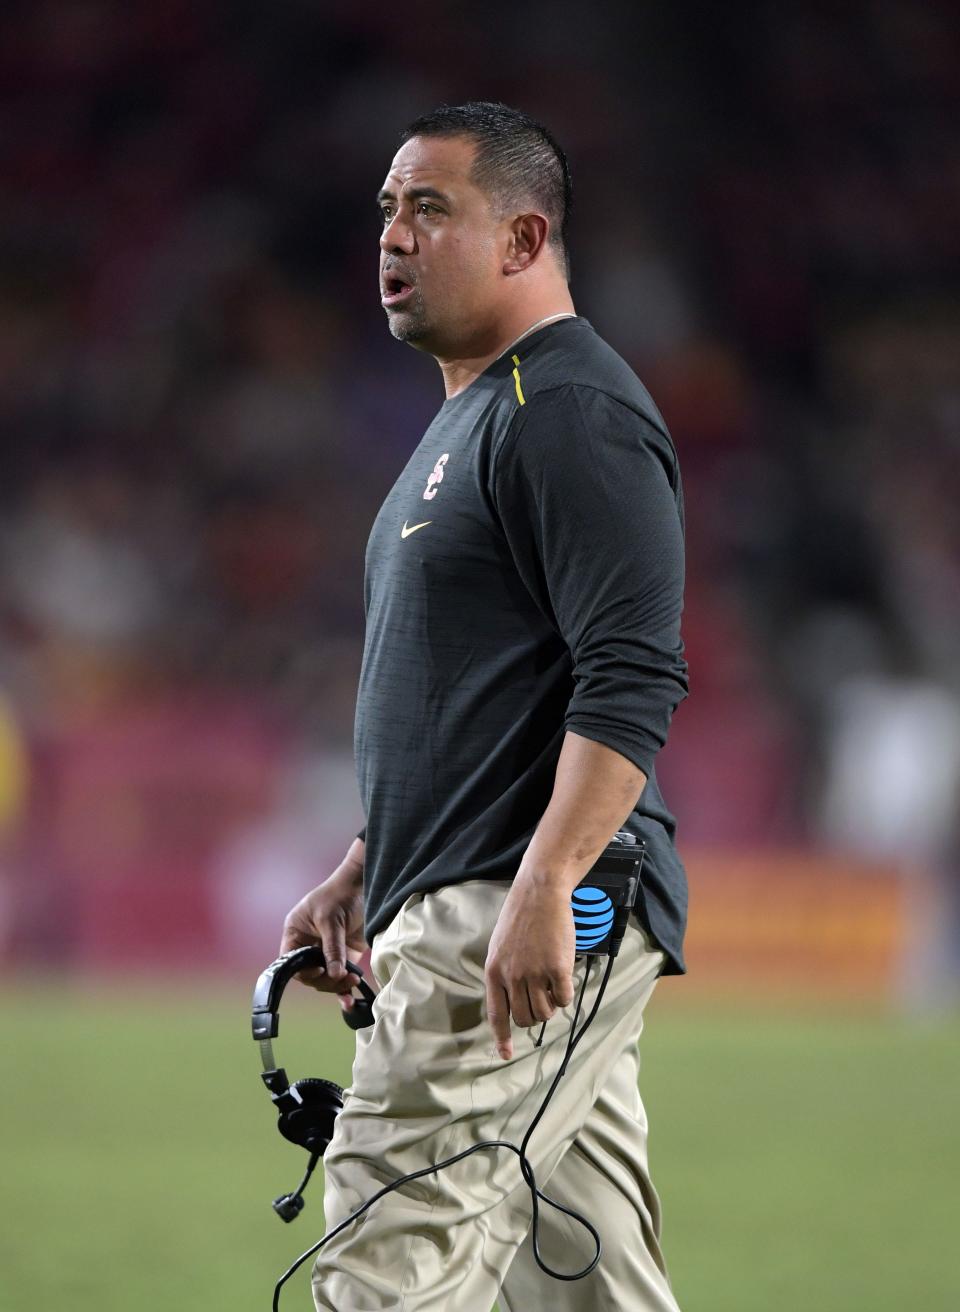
(474, 213)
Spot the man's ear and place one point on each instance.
(527, 239)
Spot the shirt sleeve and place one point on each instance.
(363, 833)
(589, 498)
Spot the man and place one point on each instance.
(522, 661)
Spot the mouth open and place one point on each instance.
(395, 291)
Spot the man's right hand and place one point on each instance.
(331, 915)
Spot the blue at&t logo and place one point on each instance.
(592, 916)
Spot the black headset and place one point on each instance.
(309, 1107)
(601, 904)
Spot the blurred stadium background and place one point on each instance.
(201, 411)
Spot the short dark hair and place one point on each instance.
(517, 159)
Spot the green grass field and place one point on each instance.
(804, 1163)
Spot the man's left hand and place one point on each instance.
(529, 966)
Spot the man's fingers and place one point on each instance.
(317, 978)
(334, 978)
(520, 1007)
(561, 986)
(295, 937)
(334, 940)
(541, 1004)
(528, 1003)
(313, 976)
(498, 1014)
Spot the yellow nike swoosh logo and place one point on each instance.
(405, 532)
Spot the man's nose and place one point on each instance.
(397, 235)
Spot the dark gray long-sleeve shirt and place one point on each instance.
(524, 576)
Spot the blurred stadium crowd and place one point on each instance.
(201, 410)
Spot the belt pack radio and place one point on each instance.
(606, 895)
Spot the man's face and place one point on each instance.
(441, 249)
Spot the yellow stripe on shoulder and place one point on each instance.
(516, 379)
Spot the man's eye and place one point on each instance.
(386, 214)
(426, 208)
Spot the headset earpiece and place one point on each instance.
(310, 1123)
(360, 1015)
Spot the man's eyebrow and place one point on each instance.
(415, 193)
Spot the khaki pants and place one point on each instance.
(427, 1083)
